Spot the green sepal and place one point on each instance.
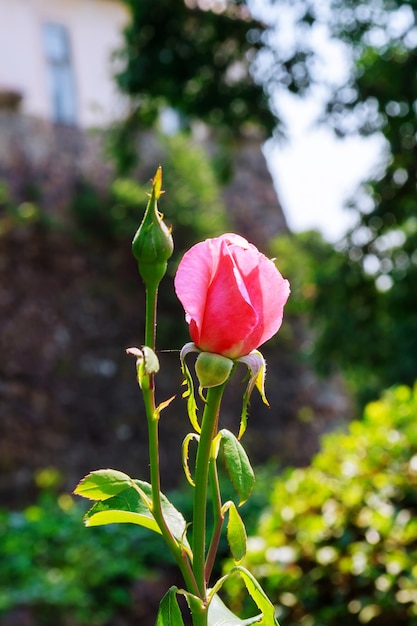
(258, 595)
(188, 382)
(169, 613)
(212, 370)
(238, 465)
(185, 448)
(235, 532)
(161, 406)
(256, 365)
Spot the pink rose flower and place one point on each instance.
(233, 295)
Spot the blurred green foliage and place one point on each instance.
(367, 333)
(15, 216)
(192, 203)
(337, 544)
(194, 206)
(58, 569)
(194, 59)
(211, 62)
(300, 256)
(370, 295)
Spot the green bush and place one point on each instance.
(65, 572)
(338, 543)
(192, 203)
(20, 216)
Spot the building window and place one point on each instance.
(61, 83)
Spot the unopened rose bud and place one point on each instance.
(152, 245)
(232, 294)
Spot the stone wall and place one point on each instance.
(37, 157)
(68, 396)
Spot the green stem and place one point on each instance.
(218, 517)
(199, 615)
(208, 432)
(148, 393)
(179, 554)
(150, 316)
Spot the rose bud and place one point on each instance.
(233, 295)
(152, 245)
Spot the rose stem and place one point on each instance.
(208, 432)
(148, 393)
(218, 517)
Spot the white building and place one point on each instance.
(56, 59)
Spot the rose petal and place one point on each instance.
(193, 278)
(229, 314)
(268, 291)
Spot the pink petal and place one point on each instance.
(229, 316)
(232, 294)
(193, 278)
(268, 290)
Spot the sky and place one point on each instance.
(315, 173)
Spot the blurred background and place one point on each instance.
(292, 123)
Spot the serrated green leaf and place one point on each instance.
(130, 506)
(102, 484)
(258, 595)
(236, 533)
(220, 615)
(238, 465)
(97, 516)
(169, 613)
